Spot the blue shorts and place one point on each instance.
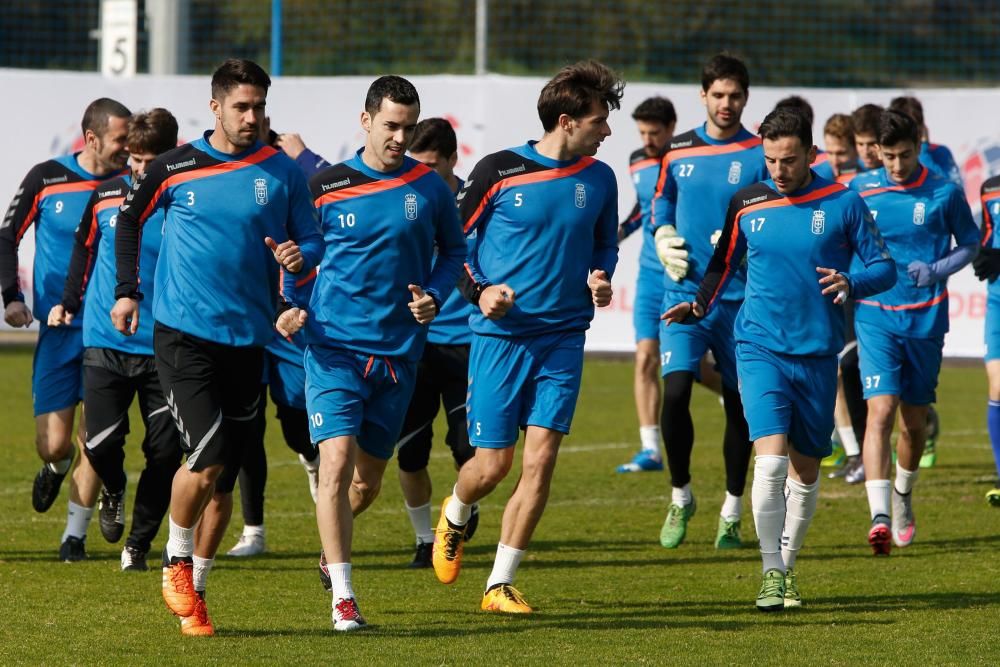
(287, 381)
(57, 369)
(683, 345)
(350, 393)
(519, 382)
(789, 394)
(992, 332)
(893, 365)
(646, 309)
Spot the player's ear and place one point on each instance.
(566, 122)
(366, 121)
(216, 107)
(453, 160)
(811, 154)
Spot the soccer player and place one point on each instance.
(379, 285)
(232, 207)
(443, 371)
(841, 164)
(117, 368)
(655, 119)
(53, 196)
(793, 229)
(901, 334)
(699, 173)
(544, 217)
(987, 267)
(865, 120)
(936, 157)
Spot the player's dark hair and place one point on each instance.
(786, 122)
(236, 71)
(393, 88)
(841, 126)
(434, 134)
(656, 110)
(895, 127)
(798, 103)
(98, 112)
(153, 131)
(909, 105)
(724, 66)
(865, 119)
(574, 89)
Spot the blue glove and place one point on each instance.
(922, 274)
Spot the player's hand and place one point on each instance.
(921, 273)
(834, 283)
(125, 316)
(287, 254)
(290, 322)
(17, 314)
(670, 249)
(600, 288)
(59, 317)
(987, 264)
(292, 144)
(422, 305)
(683, 313)
(714, 239)
(496, 300)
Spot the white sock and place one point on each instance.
(905, 479)
(420, 518)
(61, 467)
(878, 496)
(77, 521)
(253, 531)
(340, 577)
(800, 506)
(732, 507)
(505, 565)
(649, 436)
(681, 495)
(848, 440)
(180, 544)
(456, 511)
(202, 566)
(767, 497)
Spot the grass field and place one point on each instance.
(607, 592)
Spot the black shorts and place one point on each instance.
(213, 391)
(442, 377)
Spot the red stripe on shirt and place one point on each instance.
(413, 174)
(792, 201)
(898, 187)
(907, 306)
(643, 164)
(987, 217)
(698, 151)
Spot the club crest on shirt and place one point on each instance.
(581, 196)
(260, 190)
(818, 222)
(735, 171)
(919, 211)
(410, 206)
(996, 208)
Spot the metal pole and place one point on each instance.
(482, 23)
(169, 27)
(276, 38)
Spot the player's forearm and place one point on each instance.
(445, 272)
(877, 277)
(954, 261)
(632, 223)
(79, 263)
(8, 267)
(127, 239)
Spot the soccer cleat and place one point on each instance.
(178, 585)
(423, 556)
(904, 525)
(643, 461)
(72, 550)
(675, 525)
(312, 472)
(449, 544)
(728, 534)
(929, 458)
(880, 536)
(855, 473)
(111, 515)
(46, 488)
(843, 470)
(248, 545)
(133, 560)
(993, 497)
(347, 616)
(197, 624)
(505, 599)
(470, 528)
(771, 596)
(836, 457)
(792, 597)
(324, 573)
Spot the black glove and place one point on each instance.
(987, 264)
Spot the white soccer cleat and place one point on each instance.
(248, 545)
(347, 616)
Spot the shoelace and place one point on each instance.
(731, 529)
(348, 610)
(513, 595)
(452, 539)
(200, 612)
(674, 515)
(772, 587)
(181, 583)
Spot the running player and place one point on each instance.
(901, 334)
(227, 199)
(655, 119)
(865, 120)
(841, 164)
(116, 368)
(546, 204)
(987, 266)
(936, 157)
(53, 196)
(792, 228)
(698, 175)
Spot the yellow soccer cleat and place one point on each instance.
(449, 544)
(505, 599)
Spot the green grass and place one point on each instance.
(607, 592)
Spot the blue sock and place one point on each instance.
(993, 424)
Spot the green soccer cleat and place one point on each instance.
(836, 458)
(793, 599)
(772, 591)
(929, 457)
(675, 525)
(728, 534)
(993, 497)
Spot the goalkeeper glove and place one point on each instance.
(670, 250)
(987, 264)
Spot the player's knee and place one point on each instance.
(492, 470)
(367, 490)
(677, 390)
(647, 363)
(881, 414)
